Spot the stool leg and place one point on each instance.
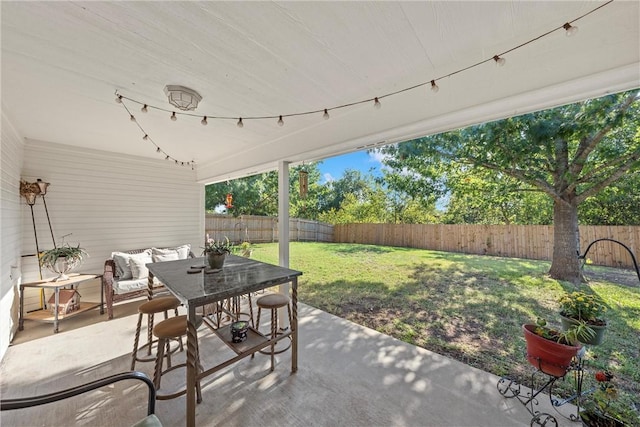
(290, 319)
(274, 332)
(150, 333)
(157, 373)
(136, 340)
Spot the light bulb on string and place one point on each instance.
(145, 137)
(499, 61)
(280, 122)
(376, 104)
(119, 99)
(326, 114)
(173, 116)
(132, 118)
(158, 150)
(176, 161)
(240, 124)
(204, 121)
(570, 29)
(166, 158)
(144, 108)
(434, 87)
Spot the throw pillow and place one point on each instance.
(183, 251)
(121, 260)
(160, 255)
(138, 267)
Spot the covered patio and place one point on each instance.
(349, 375)
(84, 107)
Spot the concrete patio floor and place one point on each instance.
(348, 375)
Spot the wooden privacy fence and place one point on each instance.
(515, 241)
(260, 229)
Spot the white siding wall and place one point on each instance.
(11, 154)
(107, 202)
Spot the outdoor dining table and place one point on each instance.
(239, 276)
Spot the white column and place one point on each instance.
(283, 231)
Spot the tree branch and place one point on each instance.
(612, 178)
(587, 145)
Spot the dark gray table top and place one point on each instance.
(239, 276)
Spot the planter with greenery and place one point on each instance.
(216, 251)
(63, 259)
(549, 350)
(600, 410)
(581, 307)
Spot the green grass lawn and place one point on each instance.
(468, 307)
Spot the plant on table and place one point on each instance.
(216, 251)
(63, 259)
(217, 247)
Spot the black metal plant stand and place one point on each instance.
(512, 389)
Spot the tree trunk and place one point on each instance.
(565, 264)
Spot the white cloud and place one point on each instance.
(328, 177)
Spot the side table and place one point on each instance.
(46, 315)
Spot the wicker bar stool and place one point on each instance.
(173, 328)
(273, 302)
(150, 308)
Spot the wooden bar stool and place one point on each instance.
(150, 308)
(173, 328)
(273, 302)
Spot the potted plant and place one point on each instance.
(245, 249)
(576, 307)
(599, 411)
(549, 350)
(216, 251)
(63, 259)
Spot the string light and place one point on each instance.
(120, 99)
(499, 59)
(570, 29)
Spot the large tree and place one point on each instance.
(570, 153)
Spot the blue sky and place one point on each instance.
(333, 168)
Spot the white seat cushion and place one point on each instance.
(131, 285)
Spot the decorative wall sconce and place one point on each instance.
(30, 191)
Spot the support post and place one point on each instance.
(283, 231)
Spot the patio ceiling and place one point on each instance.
(63, 61)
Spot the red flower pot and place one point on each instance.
(550, 357)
